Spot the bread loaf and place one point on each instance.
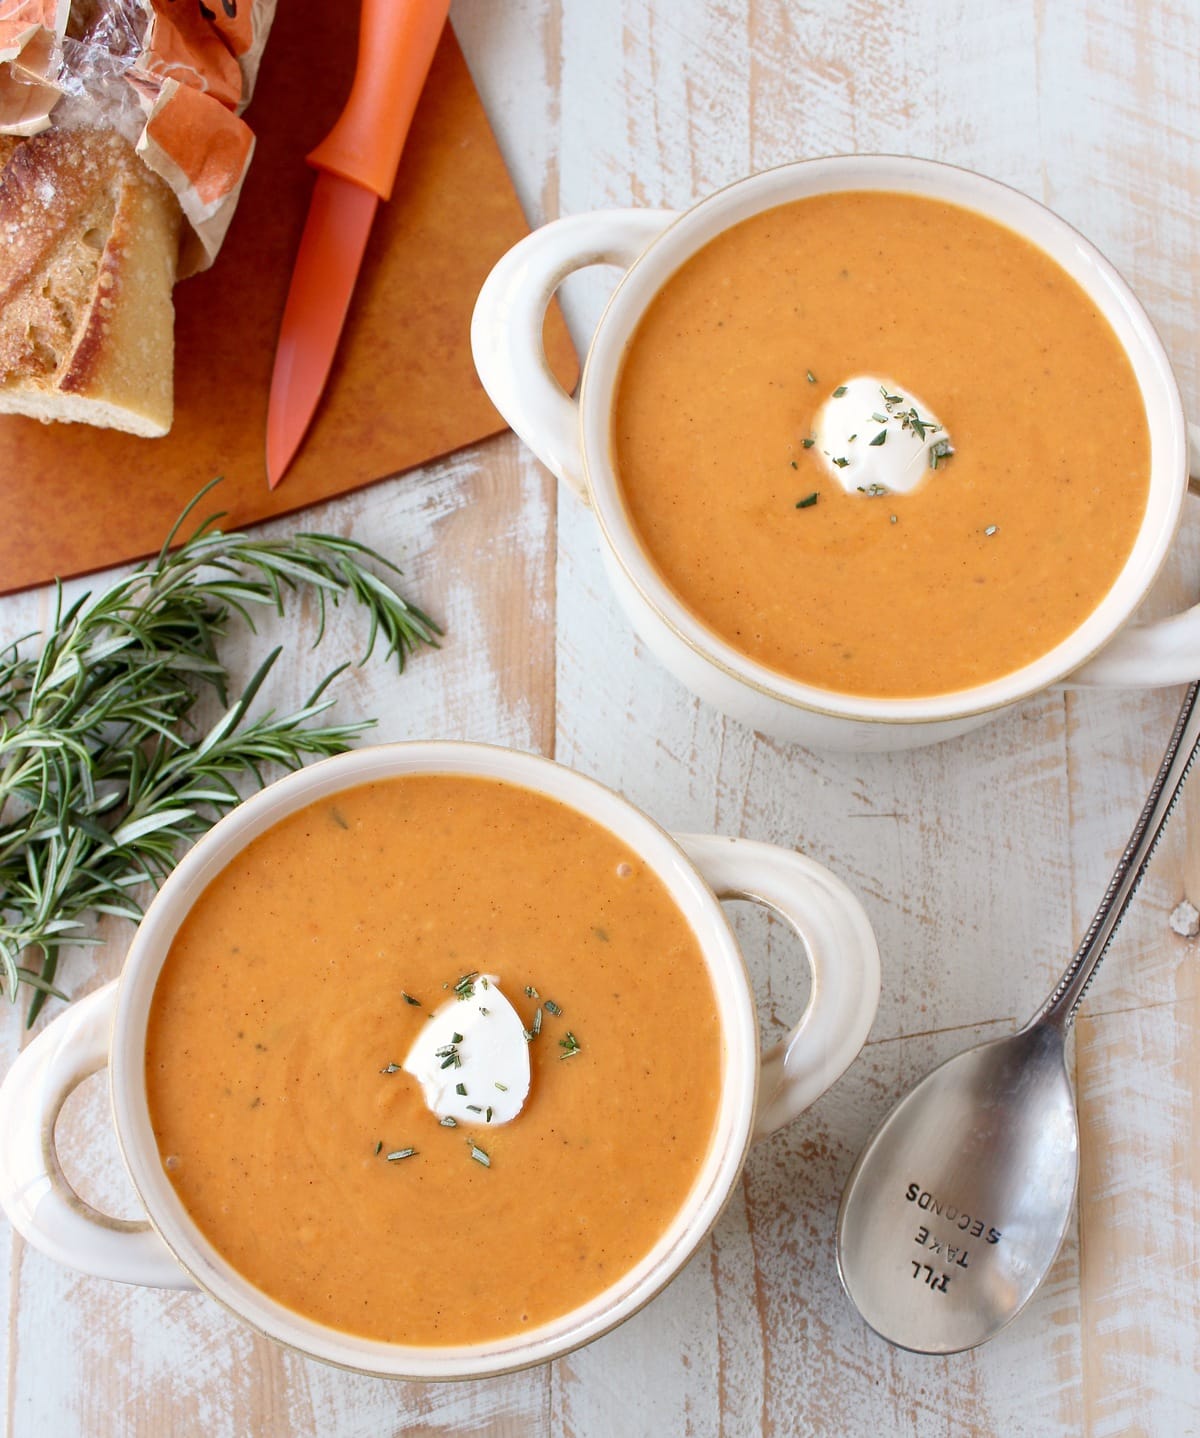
(88, 245)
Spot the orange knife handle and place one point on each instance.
(396, 43)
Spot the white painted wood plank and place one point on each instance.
(514, 55)
(1139, 1082)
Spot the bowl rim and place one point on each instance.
(710, 1192)
(1004, 204)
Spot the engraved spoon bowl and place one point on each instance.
(959, 1203)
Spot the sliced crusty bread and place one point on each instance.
(88, 245)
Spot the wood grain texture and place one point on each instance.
(1139, 1074)
(979, 862)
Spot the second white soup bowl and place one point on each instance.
(574, 440)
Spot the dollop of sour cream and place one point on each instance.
(875, 437)
(472, 1058)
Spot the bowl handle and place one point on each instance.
(506, 327)
(842, 953)
(1166, 651)
(34, 1191)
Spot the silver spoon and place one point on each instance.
(958, 1205)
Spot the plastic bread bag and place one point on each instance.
(173, 76)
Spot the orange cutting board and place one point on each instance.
(403, 389)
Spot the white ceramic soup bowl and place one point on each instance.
(760, 1092)
(574, 440)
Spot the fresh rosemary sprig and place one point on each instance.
(103, 773)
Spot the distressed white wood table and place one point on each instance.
(979, 862)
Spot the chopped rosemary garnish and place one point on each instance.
(484, 1011)
(880, 438)
(530, 992)
(400, 1153)
(408, 999)
(808, 501)
(391, 1069)
(448, 1122)
(571, 1044)
(880, 418)
(460, 1089)
(379, 1146)
(991, 529)
(474, 1108)
(465, 988)
(456, 1038)
(503, 1087)
(940, 451)
(808, 374)
(808, 443)
(872, 491)
(892, 517)
(552, 1008)
(794, 464)
(479, 1155)
(537, 1023)
(841, 463)
(839, 392)
(450, 1056)
(487, 1114)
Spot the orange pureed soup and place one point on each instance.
(279, 1019)
(994, 558)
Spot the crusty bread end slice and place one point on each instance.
(88, 245)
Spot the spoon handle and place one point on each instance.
(1060, 1008)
